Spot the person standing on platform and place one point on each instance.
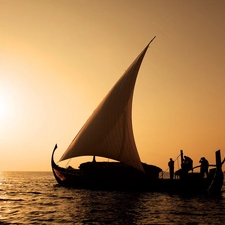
(171, 167)
(204, 167)
(187, 164)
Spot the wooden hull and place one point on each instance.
(98, 178)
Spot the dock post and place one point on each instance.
(218, 159)
(217, 182)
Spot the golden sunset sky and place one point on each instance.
(59, 58)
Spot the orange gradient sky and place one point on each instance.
(59, 58)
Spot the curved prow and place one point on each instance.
(55, 167)
(52, 160)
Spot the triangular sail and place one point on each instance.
(108, 132)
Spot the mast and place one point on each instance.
(181, 158)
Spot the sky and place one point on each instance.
(59, 58)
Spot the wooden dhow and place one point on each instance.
(108, 133)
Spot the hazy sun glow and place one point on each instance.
(58, 61)
(5, 105)
(2, 107)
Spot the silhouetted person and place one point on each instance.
(94, 159)
(187, 164)
(171, 167)
(204, 166)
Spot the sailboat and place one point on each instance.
(108, 133)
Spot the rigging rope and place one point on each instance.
(168, 167)
(68, 162)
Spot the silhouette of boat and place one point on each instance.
(108, 133)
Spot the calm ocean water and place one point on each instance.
(33, 198)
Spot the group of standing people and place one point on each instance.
(187, 165)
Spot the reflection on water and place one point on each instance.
(33, 198)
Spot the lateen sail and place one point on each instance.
(108, 131)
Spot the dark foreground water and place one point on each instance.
(33, 198)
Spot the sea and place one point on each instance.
(35, 198)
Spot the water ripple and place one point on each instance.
(33, 198)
